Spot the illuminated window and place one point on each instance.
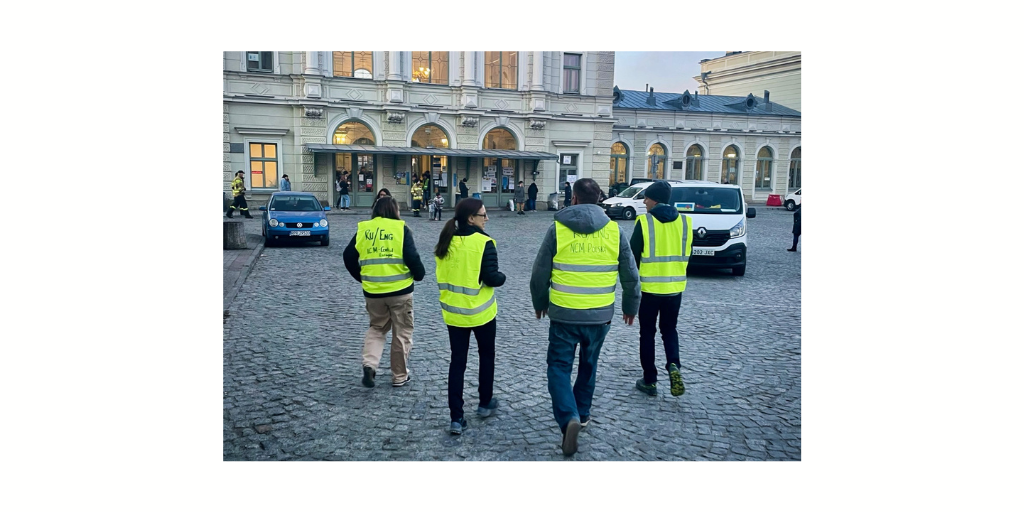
(496, 170)
(763, 175)
(353, 132)
(501, 70)
(430, 67)
(694, 163)
(618, 161)
(353, 64)
(730, 165)
(263, 165)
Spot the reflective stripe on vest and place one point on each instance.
(585, 267)
(663, 260)
(236, 187)
(465, 301)
(379, 243)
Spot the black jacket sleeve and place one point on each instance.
(636, 243)
(351, 257)
(489, 274)
(411, 257)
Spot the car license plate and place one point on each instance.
(299, 233)
(702, 252)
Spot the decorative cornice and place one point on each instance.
(261, 131)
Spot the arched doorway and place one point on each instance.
(362, 167)
(763, 171)
(794, 171)
(656, 162)
(731, 165)
(694, 163)
(617, 178)
(432, 170)
(499, 175)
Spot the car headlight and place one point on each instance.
(273, 223)
(739, 229)
(323, 223)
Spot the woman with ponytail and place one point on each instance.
(467, 273)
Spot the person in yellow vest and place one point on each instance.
(467, 274)
(661, 244)
(417, 197)
(382, 256)
(573, 283)
(238, 192)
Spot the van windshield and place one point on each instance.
(707, 200)
(629, 192)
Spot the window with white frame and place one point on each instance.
(259, 61)
(571, 64)
(730, 165)
(353, 64)
(263, 165)
(763, 176)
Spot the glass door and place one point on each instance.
(498, 183)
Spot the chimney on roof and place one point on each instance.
(650, 98)
(767, 104)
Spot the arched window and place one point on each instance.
(794, 170)
(425, 166)
(354, 133)
(430, 136)
(501, 70)
(731, 165)
(430, 67)
(618, 161)
(495, 169)
(353, 64)
(694, 163)
(656, 162)
(763, 176)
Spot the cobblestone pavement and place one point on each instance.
(292, 363)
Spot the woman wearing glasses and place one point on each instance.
(467, 273)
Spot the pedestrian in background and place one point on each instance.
(796, 229)
(568, 195)
(573, 282)
(467, 273)
(238, 193)
(661, 260)
(520, 198)
(417, 197)
(382, 256)
(531, 202)
(436, 204)
(343, 186)
(463, 190)
(286, 185)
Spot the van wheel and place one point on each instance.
(740, 270)
(790, 205)
(629, 214)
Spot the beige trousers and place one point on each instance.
(389, 314)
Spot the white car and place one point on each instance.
(719, 214)
(793, 200)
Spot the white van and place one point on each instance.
(719, 215)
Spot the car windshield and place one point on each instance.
(295, 204)
(629, 192)
(707, 200)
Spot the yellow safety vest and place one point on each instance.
(585, 267)
(465, 301)
(665, 254)
(237, 187)
(379, 242)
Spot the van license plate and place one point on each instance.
(702, 252)
(299, 233)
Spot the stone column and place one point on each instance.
(469, 70)
(537, 84)
(312, 64)
(394, 65)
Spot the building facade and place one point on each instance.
(742, 73)
(493, 118)
(741, 140)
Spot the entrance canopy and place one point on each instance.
(393, 150)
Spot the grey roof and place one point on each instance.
(396, 150)
(708, 104)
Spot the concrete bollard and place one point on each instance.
(234, 234)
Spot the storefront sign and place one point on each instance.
(507, 171)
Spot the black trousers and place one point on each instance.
(796, 239)
(651, 306)
(416, 207)
(240, 204)
(458, 338)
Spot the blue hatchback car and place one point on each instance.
(295, 216)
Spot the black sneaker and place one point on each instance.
(457, 426)
(650, 389)
(584, 420)
(368, 375)
(485, 411)
(569, 438)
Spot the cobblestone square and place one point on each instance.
(293, 341)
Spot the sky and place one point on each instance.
(665, 71)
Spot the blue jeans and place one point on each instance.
(572, 401)
(344, 201)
